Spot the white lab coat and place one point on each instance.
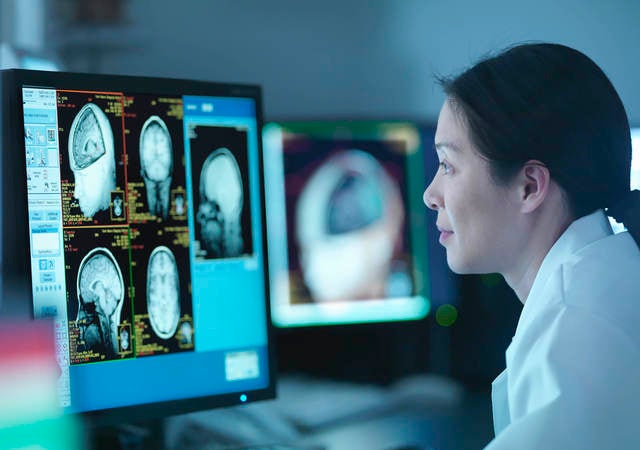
(573, 367)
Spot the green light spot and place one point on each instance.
(446, 315)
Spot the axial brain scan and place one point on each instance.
(179, 205)
(124, 339)
(100, 297)
(221, 200)
(117, 206)
(349, 217)
(186, 333)
(156, 164)
(163, 292)
(92, 160)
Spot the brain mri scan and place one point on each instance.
(156, 164)
(124, 339)
(221, 200)
(349, 217)
(100, 296)
(92, 160)
(179, 205)
(163, 292)
(186, 333)
(118, 206)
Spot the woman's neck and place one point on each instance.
(542, 231)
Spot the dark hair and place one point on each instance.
(550, 103)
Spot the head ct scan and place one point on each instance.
(220, 192)
(221, 199)
(100, 289)
(348, 220)
(156, 164)
(163, 292)
(91, 157)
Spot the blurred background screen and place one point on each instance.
(347, 237)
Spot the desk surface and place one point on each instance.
(416, 423)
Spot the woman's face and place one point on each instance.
(476, 218)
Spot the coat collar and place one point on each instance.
(578, 235)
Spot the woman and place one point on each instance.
(535, 151)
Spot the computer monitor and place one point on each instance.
(133, 215)
(635, 172)
(346, 222)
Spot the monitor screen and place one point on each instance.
(345, 222)
(635, 172)
(143, 208)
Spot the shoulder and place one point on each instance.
(606, 267)
(599, 282)
(603, 279)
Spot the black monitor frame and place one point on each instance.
(14, 244)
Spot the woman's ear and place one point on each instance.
(534, 181)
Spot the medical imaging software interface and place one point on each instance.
(145, 238)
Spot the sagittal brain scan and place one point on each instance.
(163, 292)
(349, 217)
(92, 160)
(221, 200)
(156, 161)
(100, 297)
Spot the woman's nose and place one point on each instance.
(430, 197)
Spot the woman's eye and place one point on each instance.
(446, 168)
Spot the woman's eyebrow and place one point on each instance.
(445, 146)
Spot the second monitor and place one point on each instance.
(344, 222)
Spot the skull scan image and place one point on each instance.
(163, 292)
(179, 205)
(124, 339)
(349, 217)
(100, 288)
(221, 199)
(156, 164)
(92, 159)
(117, 206)
(186, 333)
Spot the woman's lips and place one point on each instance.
(444, 234)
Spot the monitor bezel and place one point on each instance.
(16, 280)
